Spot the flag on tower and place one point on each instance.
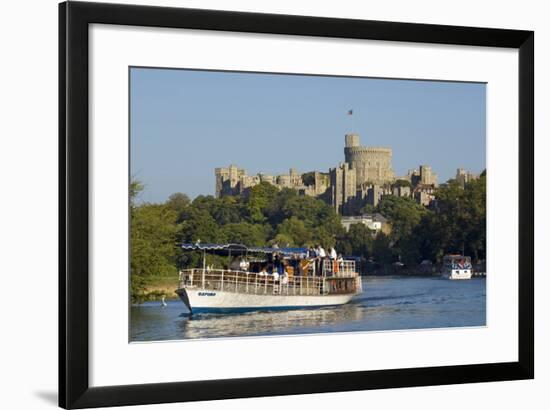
(350, 112)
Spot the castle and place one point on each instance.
(364, 176)
(235, 181)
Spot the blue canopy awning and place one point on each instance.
(239, 249)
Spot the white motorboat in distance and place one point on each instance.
(456, 267)
(275, 279)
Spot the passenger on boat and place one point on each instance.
(303, 267)
(279, 264)
(244, 265)
(337, 264)
(320, 259)
(284, 281)
(333, 256)
(310, 257)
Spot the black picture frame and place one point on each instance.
(74, 388)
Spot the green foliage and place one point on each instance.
(282, 240)
(368, 209)
(357, 241)
(244, 233)
(457, 225)
(402, 183)
(198, 224)
(381, 250)
(138, 286)
(404, 214)
(152, 244)
(258, 200)
(227, 211)
(153, 237)
(308, 178)
(295, 231)
(178, 202)
(135, 188)
(205, 202)
(306, 208)
(274, 210)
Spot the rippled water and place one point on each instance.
(387, 303)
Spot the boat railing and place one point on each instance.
(339, 268)
(258, 283)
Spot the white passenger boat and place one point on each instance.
(457, 267)
(277, 279)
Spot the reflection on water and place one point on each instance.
(387, 303)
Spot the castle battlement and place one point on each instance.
(369, 150)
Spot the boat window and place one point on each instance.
(457, 262)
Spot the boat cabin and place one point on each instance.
(457, 267)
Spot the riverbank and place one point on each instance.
(158, 286)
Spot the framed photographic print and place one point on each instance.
(237, 186)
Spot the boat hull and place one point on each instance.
(456, 274)
(200, 300)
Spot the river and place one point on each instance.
(387, 303)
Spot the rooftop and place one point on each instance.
(366, 217)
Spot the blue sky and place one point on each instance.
(186, 123)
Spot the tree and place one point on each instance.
(178, 202)
(310, 210)
(152, 245)
(308, 178)
(227, 210)
(244, 233)
(295, 230)
(458, 225)
(205, 202)
(368, 209)
(402, 183)
(135, 188)
(381, 250)
(475, 202)
(258, 199)
(274, 210)
(282, 241)
(357, 241)
(403, 213)
(197, 224)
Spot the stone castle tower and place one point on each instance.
(372, 165)
(343, 186)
